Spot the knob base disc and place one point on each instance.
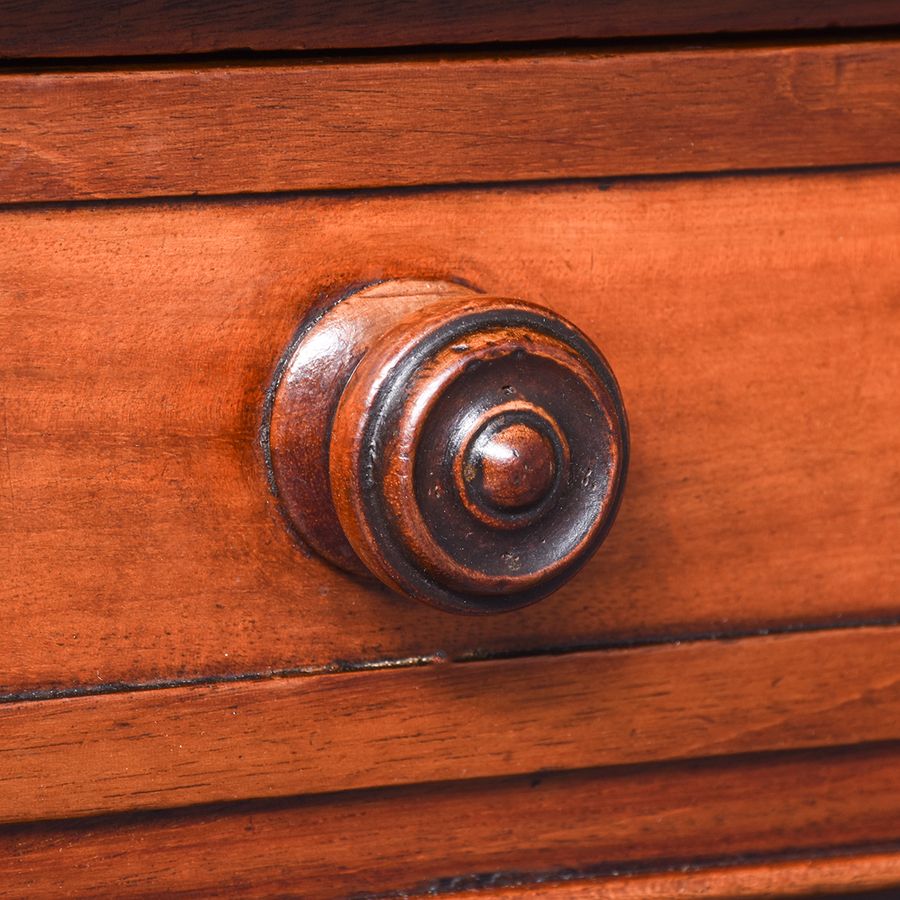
(312, 377)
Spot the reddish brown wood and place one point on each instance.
(45, 28)
(749, 322)
(179, 746)
(332, 124)
(845, 876)
(470, 451)
(474, 834)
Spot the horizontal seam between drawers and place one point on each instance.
(674, 766)
(601, 182)
(436, 657)
(671, 42)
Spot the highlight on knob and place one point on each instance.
(469, 451)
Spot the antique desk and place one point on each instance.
(312, 312)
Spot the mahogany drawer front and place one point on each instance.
(237, 739)
(751, 322)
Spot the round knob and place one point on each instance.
(469, 451)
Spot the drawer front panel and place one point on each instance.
(752, 323)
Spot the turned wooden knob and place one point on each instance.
(468, 451)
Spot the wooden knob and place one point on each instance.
(469, 451)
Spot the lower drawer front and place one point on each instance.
(751, 321)
(726, 829)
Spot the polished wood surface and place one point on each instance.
(751, 323)
(333, 124)
(191, 702)
(469, 451)
(438, 722)
(47, 28)
(547, 827)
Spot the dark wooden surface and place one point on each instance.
(179, 746)
(751, 323)
(47, 28)
(546, 826)
(349, 124)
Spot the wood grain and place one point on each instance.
(180, 746)
(331, 124)
(751, 322)
(47, 28)
(846, 876)
(456, 837)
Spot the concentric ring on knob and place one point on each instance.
(407, 456)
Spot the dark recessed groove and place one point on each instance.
(159, 684)
(674, 767)
(688, 637)
(600, 182)
(669, 43)
(475, 883)
(437, 657)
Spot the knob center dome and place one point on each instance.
(517, 466)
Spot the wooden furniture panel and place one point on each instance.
(751, 322)
(332, 124)
(179, 746)
(456, 837)
(48, 28)
(193, 703)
